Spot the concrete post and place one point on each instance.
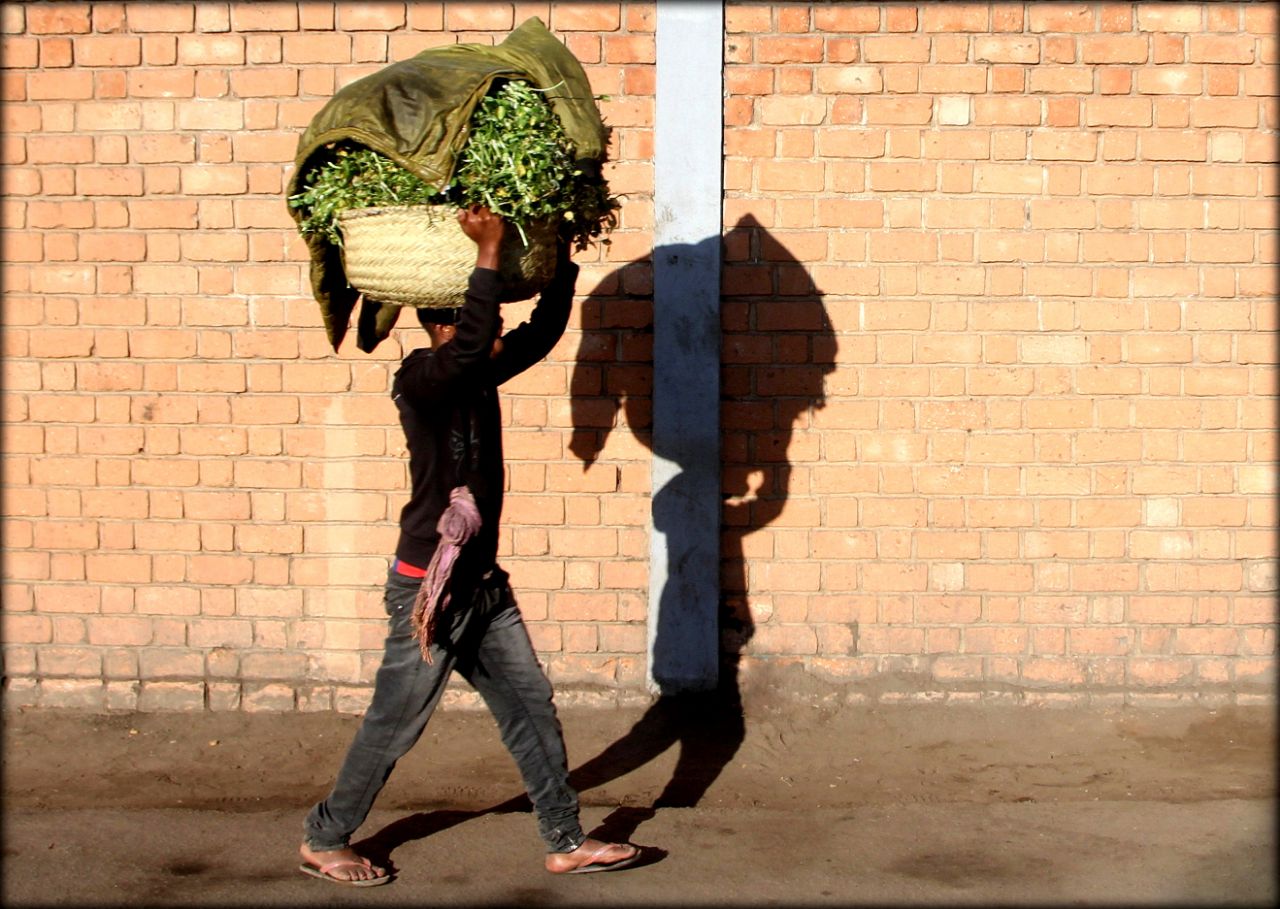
(684, 586)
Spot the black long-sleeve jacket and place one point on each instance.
(448, 404)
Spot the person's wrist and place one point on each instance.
(487, 256)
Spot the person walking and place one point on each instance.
(449, 604)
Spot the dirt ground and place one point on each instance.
(921, 804)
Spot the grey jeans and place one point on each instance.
(487, 643)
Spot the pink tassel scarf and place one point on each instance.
(459, 523)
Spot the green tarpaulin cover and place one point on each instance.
(415, 112)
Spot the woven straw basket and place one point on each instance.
(417, 255)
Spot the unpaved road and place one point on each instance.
(921, 804)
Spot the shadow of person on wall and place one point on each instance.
(776, 347)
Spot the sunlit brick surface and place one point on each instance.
(998, 363)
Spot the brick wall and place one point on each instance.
(1046, 237)
(999, 364)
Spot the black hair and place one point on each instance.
(438, 315)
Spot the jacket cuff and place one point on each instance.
(485, 283)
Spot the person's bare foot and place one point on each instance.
(341, 866)
(593, 855)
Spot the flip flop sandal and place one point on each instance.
(323, 872)
(592, 865)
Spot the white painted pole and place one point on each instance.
(684, 567)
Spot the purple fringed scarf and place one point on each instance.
(459, 523)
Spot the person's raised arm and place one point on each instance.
(532, 340)
(486, 230)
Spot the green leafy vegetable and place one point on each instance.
(356, 177)
(517, 162)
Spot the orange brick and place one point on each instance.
(1219, 112)
(264, 84)
(1053, 146)
(1106, 641)
(57, 85)
(1174, 147)
(750, 19)
(214, 50)
(109, 181)
(1060, 80)
(59, 19)
(1223, 641)
(161, 17)
(310, 48)
(1008, 178)
(850, 80)
(69, 661)
(1220, 49)
(108, 50)
(844, 18)
(955, 17)
(1118, 112)
(273, 17)
(120, 631)
(887, 111)
(24, 53)
(1159, 671)
(1171, 80)
(1065, 17)
(905, 177)
(958, 144)
(786, 111)
(1261, 20)
(773, 50)
(1120, 180)
(118, 569)
(595, 17)
(953, 79)
(1170, 17)
(1007, 50)
(1115, 49)
(896, 49)
(790, 176)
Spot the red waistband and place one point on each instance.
(409, 571)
